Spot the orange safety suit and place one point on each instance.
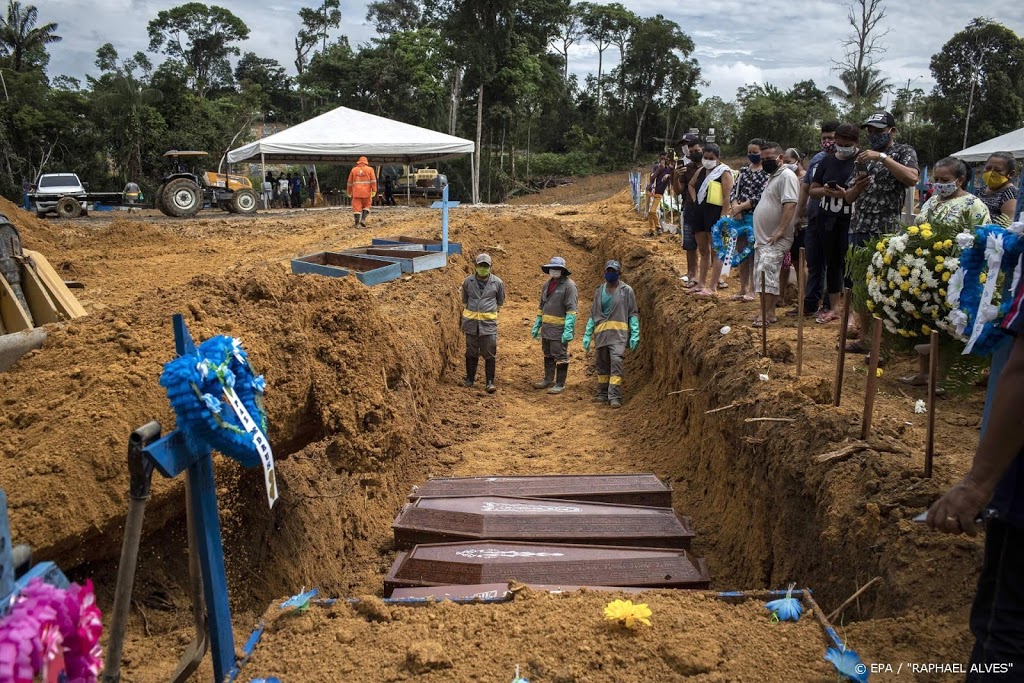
(362, 186)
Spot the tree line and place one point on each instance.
(496, 71)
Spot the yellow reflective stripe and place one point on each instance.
(553, 319)
(614, 379)
(477, 315)
(570, 312)
(611, 325)
(540, 312)
(602, 379)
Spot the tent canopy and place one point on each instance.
(1011, 142)
(343, 135)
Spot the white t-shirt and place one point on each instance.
(782, 188)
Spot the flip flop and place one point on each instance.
(826, 318)
(758, 324)
(707, 294)
(736, 297)
(749, 297)
(723, 285)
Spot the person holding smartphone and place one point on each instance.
(827, 235)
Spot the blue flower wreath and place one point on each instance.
(974, 263)
(726, 232)
(195, 386)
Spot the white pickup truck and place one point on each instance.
(65, 195)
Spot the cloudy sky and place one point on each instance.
(738, 41)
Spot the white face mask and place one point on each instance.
(945, 189)
(710, 163)
(555, 273)
(791, 167)
(846, 152)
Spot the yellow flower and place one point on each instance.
(917, 291)
(887, 259)
(892, 285)
(945, 276)
(939, 267)
(927, 234)
(904, 286)
(926, 329)
(942, 292)
(948, 244)
(917, 316)
(926, 226)
(940, 259)
(913, 230)
(871, 305)
(878, 371)
(982, 278)
(904, 271)
(920, 251)
(628, 613)
(937, 246)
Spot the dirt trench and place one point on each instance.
(366, 402)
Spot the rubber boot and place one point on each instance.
(471, 365)
(363, 221)
(560, 373)
(489, 364)
(356, 217)
(615, 403)
(549, 374)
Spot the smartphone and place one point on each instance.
(860, 167)
(832, 185)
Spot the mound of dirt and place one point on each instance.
(551, 637)
(35, 233)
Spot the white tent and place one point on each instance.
(343, 135)
(1011, 142)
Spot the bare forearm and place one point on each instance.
(1003, 439)
(788, 210)
(907, 176)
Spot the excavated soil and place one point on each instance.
(365, 401)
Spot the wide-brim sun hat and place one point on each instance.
(556, 262)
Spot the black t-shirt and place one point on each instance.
(839, 171)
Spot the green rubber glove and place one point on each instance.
(570, 328)
(588, 335)
(536, 327)
(634, 333)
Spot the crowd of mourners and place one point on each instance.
(850, 192)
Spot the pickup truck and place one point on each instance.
(65, 195)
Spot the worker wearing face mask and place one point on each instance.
(556, 323)
(614, 322)
(483, 294)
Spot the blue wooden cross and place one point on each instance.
(444, 204)
(171, 456)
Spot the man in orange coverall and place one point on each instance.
(362, 186)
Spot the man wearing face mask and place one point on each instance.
(807, 210)
(884, 172)
(614, 322)
(691, 153)
(556, 323)
(483, 293)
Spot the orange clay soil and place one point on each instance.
(365, 401)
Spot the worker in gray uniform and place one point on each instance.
(556, 323)
(614, 323)
(483, 293)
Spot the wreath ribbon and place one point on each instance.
(734, 229)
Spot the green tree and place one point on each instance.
(266, 81)
(568, 32)
(979, 83)
(395, 16)
(783, 116)
(316, 25)
(861, 93)
(22, 43)
(598, 26)
(202, 38)
(647, 79)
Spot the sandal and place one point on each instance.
(826, 317)
(736, 297)
(749, 297)
(708, 294)
(690, 284)
(758, 324)
(723, 285)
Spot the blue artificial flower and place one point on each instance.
(301, 600)
(848, 664)
(787, 608)
(213, 403)
(229, 378)
(259, 384)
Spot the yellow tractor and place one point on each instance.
(183, 192)
(31, 295)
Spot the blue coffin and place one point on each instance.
(417, 242)
(369, 271)
(411, 260)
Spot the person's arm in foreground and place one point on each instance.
(999, 445)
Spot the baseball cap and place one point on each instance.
(880, 119)
(689, 139)
(483, 258)
(848, 131)
(614, 265)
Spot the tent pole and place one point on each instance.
(408, 182)
(263, 177)
(312, 201)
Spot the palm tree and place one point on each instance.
(20, 40)
(861, 88)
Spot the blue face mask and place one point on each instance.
(879, 141)
(611, 277)
(754, 158)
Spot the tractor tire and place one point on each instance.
(182, 198)
(68, 207)
(244, 202)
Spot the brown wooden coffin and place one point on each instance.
(444, 564)
(544, 520)
(493, 591)
(623, 489)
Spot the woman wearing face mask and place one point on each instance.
(999, 192)
(710, 190)
(827, 236)
(745, 195)
(951, 203)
